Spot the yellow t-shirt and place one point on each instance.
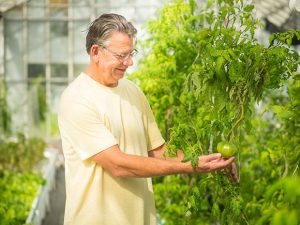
(93, 117)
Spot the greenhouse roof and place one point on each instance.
(8, 4)
(283, 14)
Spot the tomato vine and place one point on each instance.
(203, 72)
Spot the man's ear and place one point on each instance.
(94, 53)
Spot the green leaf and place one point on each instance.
(281, 111)
(249, 8)
(220, 68)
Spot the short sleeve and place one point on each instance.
(154, 136)
(81, 126)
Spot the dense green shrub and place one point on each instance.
(204, 74)
(21, 154)
(5, 118)
(20, 159)
(18, 191)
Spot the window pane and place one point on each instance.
(126, 11)
(59, 70)
(17, 99)
(78, 68)
(102, 3)
(119, 3)
(59, 41)
(36, 73)
(36, 8)
(104, 9)
(36, 70)
(37, 42)
(80, 54)
(56, 91)
(81, 12)
(58, 8)
(14, 42)
(15, 12)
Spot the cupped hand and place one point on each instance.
(232, 173)
(213, 162)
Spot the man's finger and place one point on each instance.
(222, 164)
(214, 156)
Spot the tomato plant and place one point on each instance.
(204, 73)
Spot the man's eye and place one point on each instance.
(121, 56)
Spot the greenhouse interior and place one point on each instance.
(219, 76)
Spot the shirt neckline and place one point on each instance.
(99, 85)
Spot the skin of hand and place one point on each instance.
(213, 162)
(120, 164)
(232, 173)
(206, 163)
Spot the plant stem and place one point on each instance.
(239, 120)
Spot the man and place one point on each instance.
(111, 142)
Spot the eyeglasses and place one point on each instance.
(121, 57)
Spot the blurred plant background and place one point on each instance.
(212, 70)
(42, 49)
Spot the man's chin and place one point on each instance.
(119, 74)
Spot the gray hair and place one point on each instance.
(101, 29)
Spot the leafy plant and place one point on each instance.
(203, 73)
(21, 154)
(19, 181)
(18, 191)
(5, 118)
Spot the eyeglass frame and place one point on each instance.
(121, 57)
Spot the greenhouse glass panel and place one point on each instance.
(79, 68)
(59, 41)
(14, 43)
(80, 54)
(146, 4)
(126, 11)
(59, 70)
(33, 3)
(37, 42)
(36, 9)
(102, 10)
(144, 14)
(56, 91)
(142, 3)
(81, 12)
(105, 4)
(79, 3)
(58, 8)
(120, 3)
(17, 103)
(36, 71)
(15, 13)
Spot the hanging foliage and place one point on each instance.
(203, 71)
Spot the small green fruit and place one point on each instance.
(227, 149)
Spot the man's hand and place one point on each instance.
(232, 173)
(213, 162)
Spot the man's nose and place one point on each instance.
(129, 61)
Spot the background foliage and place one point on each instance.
(20, 159)
(5, 119)
(208, 79)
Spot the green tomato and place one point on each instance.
(226, 148)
